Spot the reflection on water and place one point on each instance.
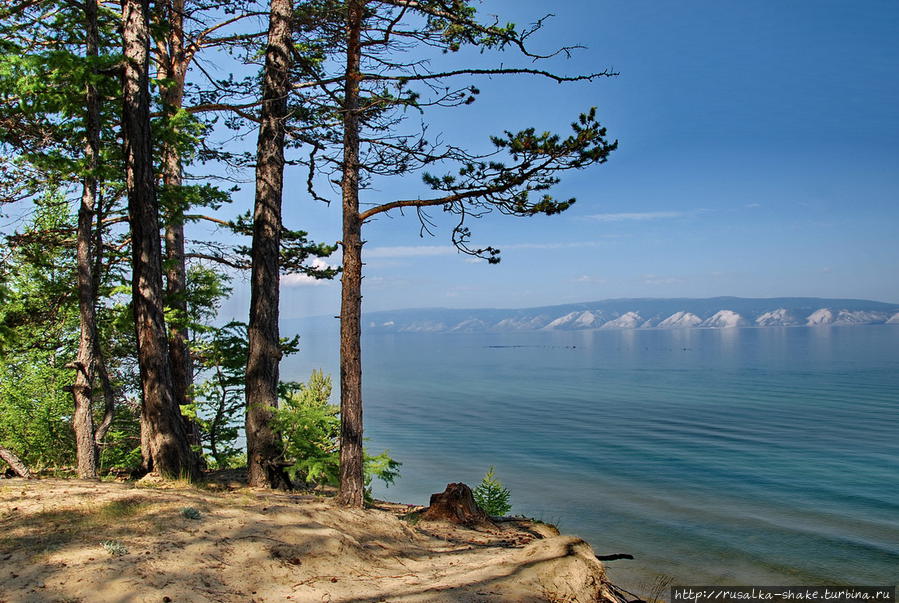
(731, 456)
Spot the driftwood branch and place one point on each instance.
(614, 557)
(15, 463)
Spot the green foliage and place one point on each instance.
(121, 447)
(310, 426)
(43, 76)
(115, 548)
(491, 496)
(40, 327)
(219, 401)
(35, 412)
(296, 250)
(190, 513)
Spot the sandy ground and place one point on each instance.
(69, 540)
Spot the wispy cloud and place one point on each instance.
(304, 280)
(637, 216)
(410, 251)
(586, 278)
(414, 251)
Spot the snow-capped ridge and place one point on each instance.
(574, 320)
(859, 317)
(822, 316)
(470, 326)
(644, 314)
(777, 318)
(724, 319)
(628, 320)
(521, 324)
(562, 320)
(680, 320)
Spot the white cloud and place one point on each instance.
(413, 251)
(410, 251)
(637, 216)
(304, 280)
(586, 278)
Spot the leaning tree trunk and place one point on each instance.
(264, 446)
(166, 438)
(14, 462)
(352, 484)
(85, 363)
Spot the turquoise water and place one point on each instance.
(734, 456)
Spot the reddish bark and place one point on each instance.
(165, 436)
(352, 484)
(264, 447)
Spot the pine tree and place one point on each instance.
(378, 43)
(53, 79)
(264, 448)
(164, 432)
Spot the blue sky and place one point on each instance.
(759, 156)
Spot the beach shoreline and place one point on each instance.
(74, 540)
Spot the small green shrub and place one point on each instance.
(190, 513)
(115, 548)
(310, 426)
(491, 496)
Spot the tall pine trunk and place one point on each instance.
(165, 435)
(109, 395)
(173, 69)
(85, 363)
(352, 483)
(264, 446)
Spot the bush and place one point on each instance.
(35, 412)
(310, 427)
(491, 496)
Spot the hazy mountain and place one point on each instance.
(642, 313)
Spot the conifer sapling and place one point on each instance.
(491, 496)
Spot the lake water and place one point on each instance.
(732, 456)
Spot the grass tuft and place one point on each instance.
(122, 508)
(114, 548)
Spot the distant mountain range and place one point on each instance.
(643, 313)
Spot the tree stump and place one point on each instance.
(14, 463)
(455, 504)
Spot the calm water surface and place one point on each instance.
(733, 456)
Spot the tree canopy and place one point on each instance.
(117, 137)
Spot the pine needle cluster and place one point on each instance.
(491, 496)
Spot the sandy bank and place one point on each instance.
(250, 545)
